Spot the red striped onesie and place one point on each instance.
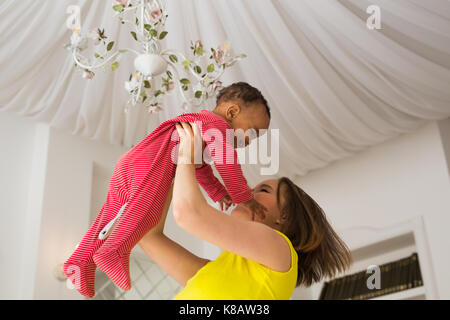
(138, 189)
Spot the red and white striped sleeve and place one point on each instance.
(209, 182)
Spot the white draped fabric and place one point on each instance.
(335, 87)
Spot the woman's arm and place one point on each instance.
(249, 239)
(178, 262)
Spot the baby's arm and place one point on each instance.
(209, 182)
(226, 162)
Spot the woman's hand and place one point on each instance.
(190, 149)
(225, 202)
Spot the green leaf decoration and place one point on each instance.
(199, 51)
(198, 69)
(186, 64)
(185, 88)
(173, 58)
(163, 35)
(153, 32)
(101, 33)
(96, 55)
(147, 27)
(110, 45)
(158, 92)
(169, 74)
(118, 8)
(114, 66)
(146, 84)
(198, 94)
(210, 68)
(241, 56)
(123, 50)
(185, 81)
(134, 35)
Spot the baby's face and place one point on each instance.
(255, 118)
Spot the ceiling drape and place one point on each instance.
(334, 86)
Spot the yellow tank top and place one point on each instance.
(232, 277)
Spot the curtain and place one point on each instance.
(334, 86)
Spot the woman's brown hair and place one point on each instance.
(321, 252)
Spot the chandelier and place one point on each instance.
(157, 71)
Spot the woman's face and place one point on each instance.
(266, 194)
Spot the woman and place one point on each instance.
(264, 257)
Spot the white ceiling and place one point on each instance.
(334, 86)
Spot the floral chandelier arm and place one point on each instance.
(76, 55)
(171, 53)
(180, 88)
(225, 60)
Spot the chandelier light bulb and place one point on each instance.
(150, 64)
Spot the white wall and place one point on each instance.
(389, 183)
(66, 204)
(17, 146)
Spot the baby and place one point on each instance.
(142, 178)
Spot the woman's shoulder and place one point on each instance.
(287, 255)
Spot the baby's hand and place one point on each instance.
(256, 208)
(227, 201)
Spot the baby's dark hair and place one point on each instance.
(244, 92)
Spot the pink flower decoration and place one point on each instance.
(198, 44)
(124, 3)
(219, 55)
(88, 74)
(154, 109)
(216, 85)
(155, 14)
